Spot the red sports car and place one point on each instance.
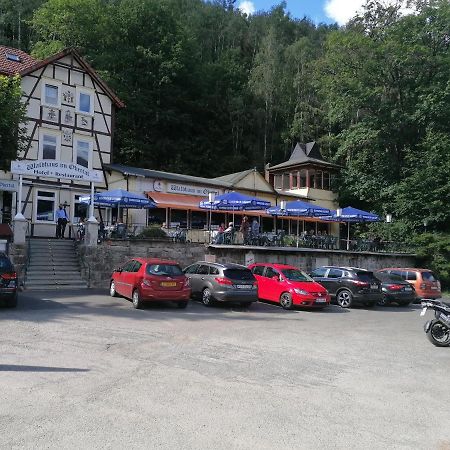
(143, 280)
(288, 286)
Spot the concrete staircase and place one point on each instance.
(53, 264)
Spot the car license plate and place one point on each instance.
(168, 283)
(434, 288)
(424, 310)
(408, 288)
(243, 286)
(374, 286)
(12, 284)
(321, 300)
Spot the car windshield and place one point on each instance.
(164, 270)
(239, 274)
(428, 276)
(296, 275)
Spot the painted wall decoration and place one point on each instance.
(68, 117)
(68, 96)
(67, 135)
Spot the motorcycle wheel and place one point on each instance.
(438, 334)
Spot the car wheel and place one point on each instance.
(383, 301)
(286, 300)
(182, 305)
(136, 298)
(344, 298)
(11, 302)
(207, 299)
(112, 289)
(246, 304)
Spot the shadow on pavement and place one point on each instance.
(16, 368)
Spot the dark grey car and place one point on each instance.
(349, 285)
(213, 282)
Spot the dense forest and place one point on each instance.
(209, 90)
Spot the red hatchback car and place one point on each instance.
(288, 286)
(143, 280)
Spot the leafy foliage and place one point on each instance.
(12, 113)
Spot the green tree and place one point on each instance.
(12, 113)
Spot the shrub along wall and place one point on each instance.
(99, 262)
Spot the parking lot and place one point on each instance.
(82, 370)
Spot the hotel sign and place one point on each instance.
(56, 169)
(9, 185)
(188, 189)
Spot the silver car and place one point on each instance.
(213, 282)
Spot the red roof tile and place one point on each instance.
(8, 67)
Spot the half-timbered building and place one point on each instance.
(69, 118)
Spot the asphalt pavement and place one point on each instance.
(82, 370)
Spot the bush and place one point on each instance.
(433, 252)
(152, 232)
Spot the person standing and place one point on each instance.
(61, 221)
(244, 229)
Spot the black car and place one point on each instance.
(349, 285)
(8, 282)
(395, 290)
(213, 282)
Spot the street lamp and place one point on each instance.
(388, 218)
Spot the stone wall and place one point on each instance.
(308, 259)
(18, 255)
(98, 262)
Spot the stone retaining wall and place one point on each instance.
(19, 254)
(98, 262)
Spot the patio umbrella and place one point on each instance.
(299, 209)
(117, 198)
(350, 214)
(234, 201)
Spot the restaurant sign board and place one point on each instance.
(50, 168)
(9, 185)
(189, 189)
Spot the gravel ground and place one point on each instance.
(82, 370)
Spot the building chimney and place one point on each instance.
(266, 172)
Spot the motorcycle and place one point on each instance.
(438, 329)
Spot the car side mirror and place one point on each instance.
(119, 269)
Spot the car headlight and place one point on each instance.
(301, 292)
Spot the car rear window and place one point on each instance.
(239, 274)
(389, 277)
(5, 265)
(164, 270)
(365, 276)
(428, 276)
(296, 275)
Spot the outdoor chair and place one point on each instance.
(228, 237)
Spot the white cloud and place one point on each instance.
(247, 7)
(343, 10)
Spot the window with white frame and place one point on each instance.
(51, 93)
(83, 152)
(45, 206)
(49, 144)
(85, 101)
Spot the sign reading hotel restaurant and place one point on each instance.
(56, 169)
(9, 185)
(188, 189)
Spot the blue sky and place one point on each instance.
(328, 11)
(298, 8)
